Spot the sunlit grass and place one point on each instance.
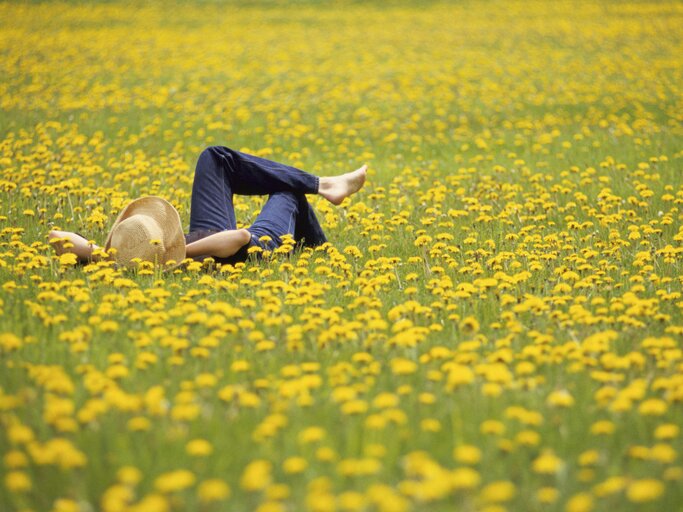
(495, 324)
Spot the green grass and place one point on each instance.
(519, 115)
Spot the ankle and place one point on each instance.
(324, 185)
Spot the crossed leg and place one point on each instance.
(222, 172)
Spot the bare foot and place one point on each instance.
(337, 188)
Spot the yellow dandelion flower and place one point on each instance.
(547, 463)
(467, 454)
(547, 495)
(256, 475)
(213, 489)
(65, 505)
(151, 503)
(560, 398)
(582, 502)
(465, 478)
(17, 481)
(498, 492)
(294, 465)
(602, 427)
(199, 448)
(139, 424)
(174, 481)
(652, 407)
(644, 490)
(494, 427)
(68, 259)
(667, 431)
(15, 459)
(469, 325)
(129, 475)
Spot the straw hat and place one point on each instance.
(148, 228)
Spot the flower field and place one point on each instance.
(496, 323)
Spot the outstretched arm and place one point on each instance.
(65, 241)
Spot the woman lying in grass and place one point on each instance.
(149, 228)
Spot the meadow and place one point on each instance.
(495, 324)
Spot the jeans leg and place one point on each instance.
(308, 228)
(287, 213)
(253, 175)
(211, 207)
(222, 172)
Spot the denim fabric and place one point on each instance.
(222, 172)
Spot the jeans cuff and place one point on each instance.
(255, 242)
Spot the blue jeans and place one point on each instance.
(222, 172)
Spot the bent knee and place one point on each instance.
(208, 152)
(207, 162)
(213, 151)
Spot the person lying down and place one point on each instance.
(149, 228)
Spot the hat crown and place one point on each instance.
(149, 229)
(140, 235)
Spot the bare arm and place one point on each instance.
(221, 245)
(65, 241)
